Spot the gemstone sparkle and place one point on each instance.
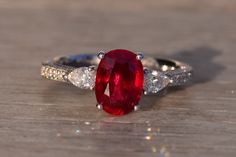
(83, 77)
(119, 81)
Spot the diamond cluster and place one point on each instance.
(54, 73)
(154, 81)
(179, 78)
(83, 77)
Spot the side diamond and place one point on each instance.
(154, 81)
(83, 77)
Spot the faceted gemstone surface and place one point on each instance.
(82, 77)
(119, 82)
(155, 81)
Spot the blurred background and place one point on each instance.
(151, 26)
(43, 118)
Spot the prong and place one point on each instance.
(100, 54)
(140, 56)
(136, 108)
(145, 70)
(99, 106)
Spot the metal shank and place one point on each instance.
(59, 68)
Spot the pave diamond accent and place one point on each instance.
(179, 78)
(83, 77)
(52, 73)
(154, 81)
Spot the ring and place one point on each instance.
(119, 77)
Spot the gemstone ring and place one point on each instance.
(119, 77)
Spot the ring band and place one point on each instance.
(80, 70)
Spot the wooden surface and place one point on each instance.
(40, 118)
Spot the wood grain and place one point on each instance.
(44, 118)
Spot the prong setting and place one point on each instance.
(136, 108)
(140, 56)
(145, 70)
(100, 54)
(99, 106)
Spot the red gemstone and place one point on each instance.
(119, 82)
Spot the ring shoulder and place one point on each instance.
(154, 81)
(180, 76)
(54, 72)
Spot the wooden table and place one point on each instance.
(40, 118)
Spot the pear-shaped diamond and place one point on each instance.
(83, 77)
(155, 81)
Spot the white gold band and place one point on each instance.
(80, 70)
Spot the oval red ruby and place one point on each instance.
(119, 82)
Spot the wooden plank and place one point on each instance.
(44, 118)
